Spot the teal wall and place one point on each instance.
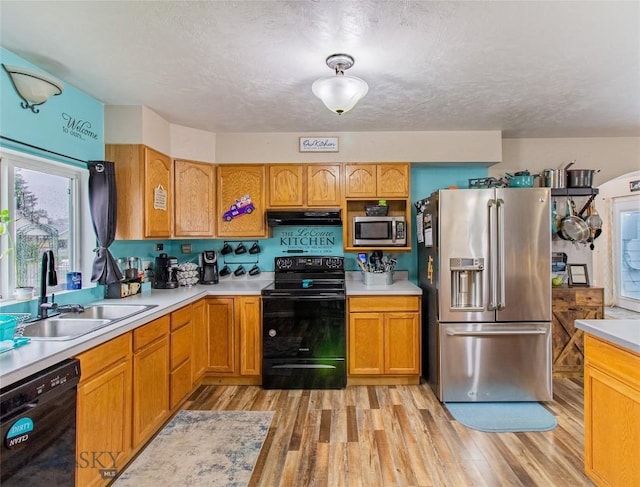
(71, 123)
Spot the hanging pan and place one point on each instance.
(574, 228)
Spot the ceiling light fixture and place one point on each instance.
(33, 87)
(340, 93)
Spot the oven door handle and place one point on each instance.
(290, 297)
(304, 366)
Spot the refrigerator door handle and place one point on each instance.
(493, 258)
(500, 274)
(537, 331)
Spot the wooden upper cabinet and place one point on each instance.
(286, 185)
(243, 219)
(393, 180)
(377, 180)
(304, 185)
(144, 191)
(360, 181)
(323, 185)
(194, 191)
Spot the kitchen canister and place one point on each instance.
(377, 278)
(74, 280)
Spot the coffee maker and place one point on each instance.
(209, 267)
(165, 272)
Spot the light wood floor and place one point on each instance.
(400, 436)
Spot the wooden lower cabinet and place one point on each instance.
(180, 383)
(384, 337)
(150, 379)
(104, 410)
(611, 413)
(200, 343)
(568, 305)
(235, 339)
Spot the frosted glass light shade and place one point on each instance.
(340, 93)
(33, 87)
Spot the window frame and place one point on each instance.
(621, 204)
(82, 235)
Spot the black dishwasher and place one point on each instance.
(38, 425)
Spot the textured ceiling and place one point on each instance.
(530, 69)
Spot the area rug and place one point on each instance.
(503, 417)
(201, 448)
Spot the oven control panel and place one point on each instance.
(309, 263)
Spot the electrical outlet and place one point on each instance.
(186, 248)
(159, 247)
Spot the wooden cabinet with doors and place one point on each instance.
(304, 185)
(384, 338)
(237, 216)
(611, 413)
(234, 339)
(180, 383)
(390, 180)
(150, 378)
(194, 195)
(145, 191)
(568, 305)
(200, 343)
(104, 410)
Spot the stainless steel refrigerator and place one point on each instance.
(484, 259)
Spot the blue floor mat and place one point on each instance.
(503, 417)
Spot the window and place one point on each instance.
(48, 206)
(626, 223)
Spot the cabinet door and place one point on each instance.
(250, 335)
(222, 341)
(194, 191)
(323, 185)
(366, 336)
(150, 389)
(158, 191)
(360, 180)
(285, 185)
(200, 343)
(401, 343)
(103, 422)
(392, 180)
(241, 201)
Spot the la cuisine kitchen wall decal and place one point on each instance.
(319, 144)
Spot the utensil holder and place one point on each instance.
(377, 278)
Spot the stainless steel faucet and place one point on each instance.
(48, 275)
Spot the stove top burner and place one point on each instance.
(314, 275)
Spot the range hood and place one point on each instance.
(319, 217)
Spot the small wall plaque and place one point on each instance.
(319, 144)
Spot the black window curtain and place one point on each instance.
(102, 201)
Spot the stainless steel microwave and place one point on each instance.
(379, 231)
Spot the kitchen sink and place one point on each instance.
(67, 326)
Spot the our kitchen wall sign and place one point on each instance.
(319, 144)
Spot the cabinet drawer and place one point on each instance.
(150, 332)
(103, 356)
(180, 346)
(612, 359)
(181, 317)
(589, 297)
(180, 380)
(379, 303)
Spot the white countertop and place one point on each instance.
(39, 354)
(625, 333)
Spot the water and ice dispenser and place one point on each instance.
(466, 283)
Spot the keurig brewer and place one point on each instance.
(209, 267)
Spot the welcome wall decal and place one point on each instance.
(80, 129)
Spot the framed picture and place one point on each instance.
(578, 275)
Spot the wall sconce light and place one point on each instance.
(340, 93)
(33, 87)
